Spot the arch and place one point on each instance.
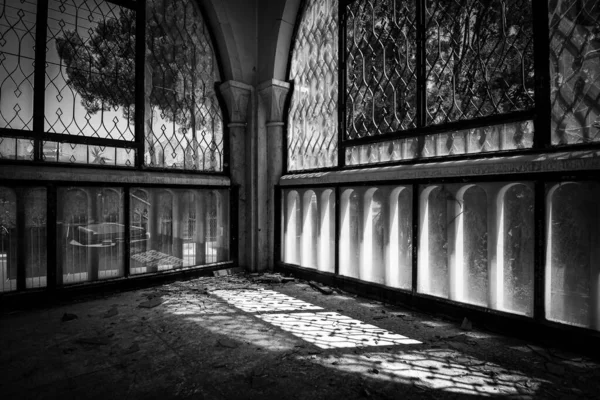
(374, 224)
(511, 278)
(399, 245)
(76, 212)
(310, 228)
(275, 31)
(8, 239)
(327, 231)
(292, 227)
(35, 237)
(469, 277)
(433, 277)
(349, 249)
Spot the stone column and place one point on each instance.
(237, 98)
(273, 94)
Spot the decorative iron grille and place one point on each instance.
(79, 105)
(575, 71)
(90, 69)
(465, 60)
(381, 39)
(17, 40)
(184, 126)
(479, 58)
(313, 127)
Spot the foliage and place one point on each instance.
(179, 63)
(479, 56)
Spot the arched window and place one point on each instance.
(312, 133)
(111, 88)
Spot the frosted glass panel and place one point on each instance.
(376, 235)
(174, 228)
(476, 244)
(35, 237)
(573, 254)
(309, 228)
(91, 233)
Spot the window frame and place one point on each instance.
(38, 135)
(540, 114)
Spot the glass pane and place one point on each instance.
(476, 244)
(84, 154)
(309, 228)
(90, 69)
(395, 150)
(8, 239)
(35, 237)
(433, 277)
(516, 241)
(16, 149)
(512, 136)
(573, 254)
(381, 39)
(17, 41)
(479, 58)
(575, 71)
(174, 229)
(184, 125)
(376, 235)
(313, 123)
(90, 229)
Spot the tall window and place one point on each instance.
(313, 124)
(426, 78)
(83, 89)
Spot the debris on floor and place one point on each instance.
(250, 336)
(321, 288)
(68, 317)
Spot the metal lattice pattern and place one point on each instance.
(513, 136)
(17, 40)
(184, 125)
(479, 58)
(90, 69)
(575, 71)
(313, 126)
(381, 67)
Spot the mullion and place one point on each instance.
(140, 81)
(541, 58)
(342, 71)
(39, 85)
(421, 105)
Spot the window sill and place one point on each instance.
(62, 173)
(514, 165)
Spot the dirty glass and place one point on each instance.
(575, 71)
(312, 119)
(376, 235)
(176, 228)
(308, 233)
(476, 244)
(183, 120)
(90, 234)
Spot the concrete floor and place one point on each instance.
(231, 338)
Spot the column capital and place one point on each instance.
(274, 93)
(236, 96)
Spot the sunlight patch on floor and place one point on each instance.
(329, 330)
(437, 369)
(256, 301)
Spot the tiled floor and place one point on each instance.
(231, 338)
